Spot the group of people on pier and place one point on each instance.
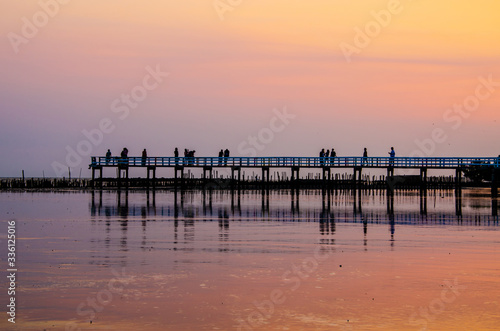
(327, 157)
(189, 158)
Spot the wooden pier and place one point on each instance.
(296, 165)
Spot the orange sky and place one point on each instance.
(227, 75)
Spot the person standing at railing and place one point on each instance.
(191, 154)
(124, 156)
(221, 154)
(365, 157)
(392, 154)
(327, 156)
(321, 156)
(226, 155)
(333, 154)
(176, 155)
(144, 157)
(108, 157)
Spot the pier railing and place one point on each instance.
(302, 162)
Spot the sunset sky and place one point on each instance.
(349, 73)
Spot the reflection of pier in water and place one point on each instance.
(330, 210)
(190, 210)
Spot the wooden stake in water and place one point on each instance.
(23, 175)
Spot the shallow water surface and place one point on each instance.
(254, 260)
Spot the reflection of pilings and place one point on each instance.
(458, 201)
(390, 202)
(238, 201)
(392, 228)
(365, 232)
(294, 199)
(176, 206)
(265, 201)
(494, 207)
(326, 220)
(423, 202)
(356, 201)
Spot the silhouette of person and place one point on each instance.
(226, 155)
(392, 154)
(124, 156)
(221, 154)
(191, 157)
(333, 154)
(108, 156)
(365, 157)
(321, 155)
(144, 157)
(176, 155)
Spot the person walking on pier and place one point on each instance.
(365, 157)
(226, 155)
(144, 157)
(221, 154)
(392, 154)
(108, 157)
(176, 155)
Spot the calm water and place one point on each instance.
(253, 260)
